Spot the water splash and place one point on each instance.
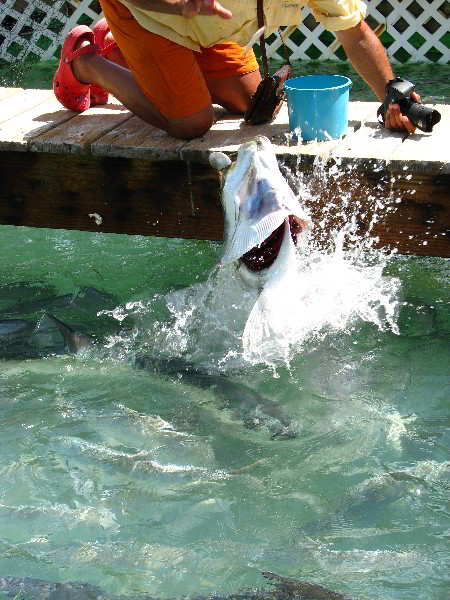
(332, 280)
(227, 322)
(320, 293)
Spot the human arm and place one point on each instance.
(184, 8)
(369, 58)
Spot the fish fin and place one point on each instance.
(74, 341)
(303, 589)
(246, 237)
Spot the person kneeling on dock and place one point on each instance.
(168, 61)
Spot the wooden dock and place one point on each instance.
(105, 170)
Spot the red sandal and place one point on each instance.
(98, 94)
(73, 94)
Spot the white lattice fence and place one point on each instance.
(34, 29)
(411, 30)
(415, 31)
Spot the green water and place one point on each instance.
(138, 483)
(432, 80)
(130, 481)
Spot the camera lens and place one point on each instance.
(422, 116)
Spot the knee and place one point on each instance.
(237, 106)
(193, 126)
(189, 131)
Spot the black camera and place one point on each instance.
(398, 91)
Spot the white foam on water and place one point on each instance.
(307, 294)
(71, 517)
(328, 283)
(316, 293)
(398, 428)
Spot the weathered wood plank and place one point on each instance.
(229, 133)
(379, 148)
(136, 139)
(76, 135)
(363, 112)
(370, 147)
(105, 170)
(409, 215)
(112, 195)
(18, 132)
(15, 104)
(6, 92)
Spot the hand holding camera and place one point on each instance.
(401, 92)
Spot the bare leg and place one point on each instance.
(120, 82)
(234, 93)
(115, 55)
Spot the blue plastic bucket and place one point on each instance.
(318, 106)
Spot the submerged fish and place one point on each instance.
(284, 588)
(29, 588)
(13, 330)
(85, 299)
(22, 339)
(15, 336)
(26, 334)
(244, 403)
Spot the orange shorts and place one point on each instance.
(172, 76)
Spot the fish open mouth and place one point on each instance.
(258, 205)
(265, 254)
